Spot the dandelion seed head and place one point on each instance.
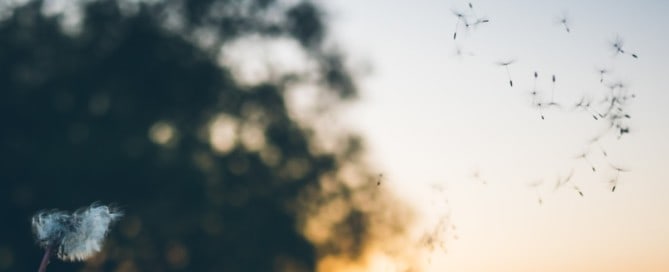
(77, 236)
(49, 227)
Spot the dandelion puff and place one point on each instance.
(90, 226)
(73, 237)
(49, 227)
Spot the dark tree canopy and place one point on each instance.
(125, 106)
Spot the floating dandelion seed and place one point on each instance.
(584, 104)
(540, 106)
(534, 93)
(506, 65)
(73, 237)
(594, 117)
(580, 103)
(469, 19)
(471, 8)
(476, 175)
(596, 141)
(561, 182)
(614, 181)
(617, 46)
(584, 156)
(553, 103)
(616, 85)
(479, 20)
(460, 52)
(535, 186)
(618, 169)
(606, 154)
(461, 18)
(602, 72)
(564, 21)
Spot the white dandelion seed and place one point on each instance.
(73, 237)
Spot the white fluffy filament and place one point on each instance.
(76, 236)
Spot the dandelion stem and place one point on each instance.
(45, 259)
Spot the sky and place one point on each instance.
(431, 117)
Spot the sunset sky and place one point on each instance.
(432, 117)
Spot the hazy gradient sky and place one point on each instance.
(432, 117)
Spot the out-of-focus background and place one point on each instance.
(181, 114)
(286, 135)
(439, 111)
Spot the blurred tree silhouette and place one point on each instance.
(125, 102)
